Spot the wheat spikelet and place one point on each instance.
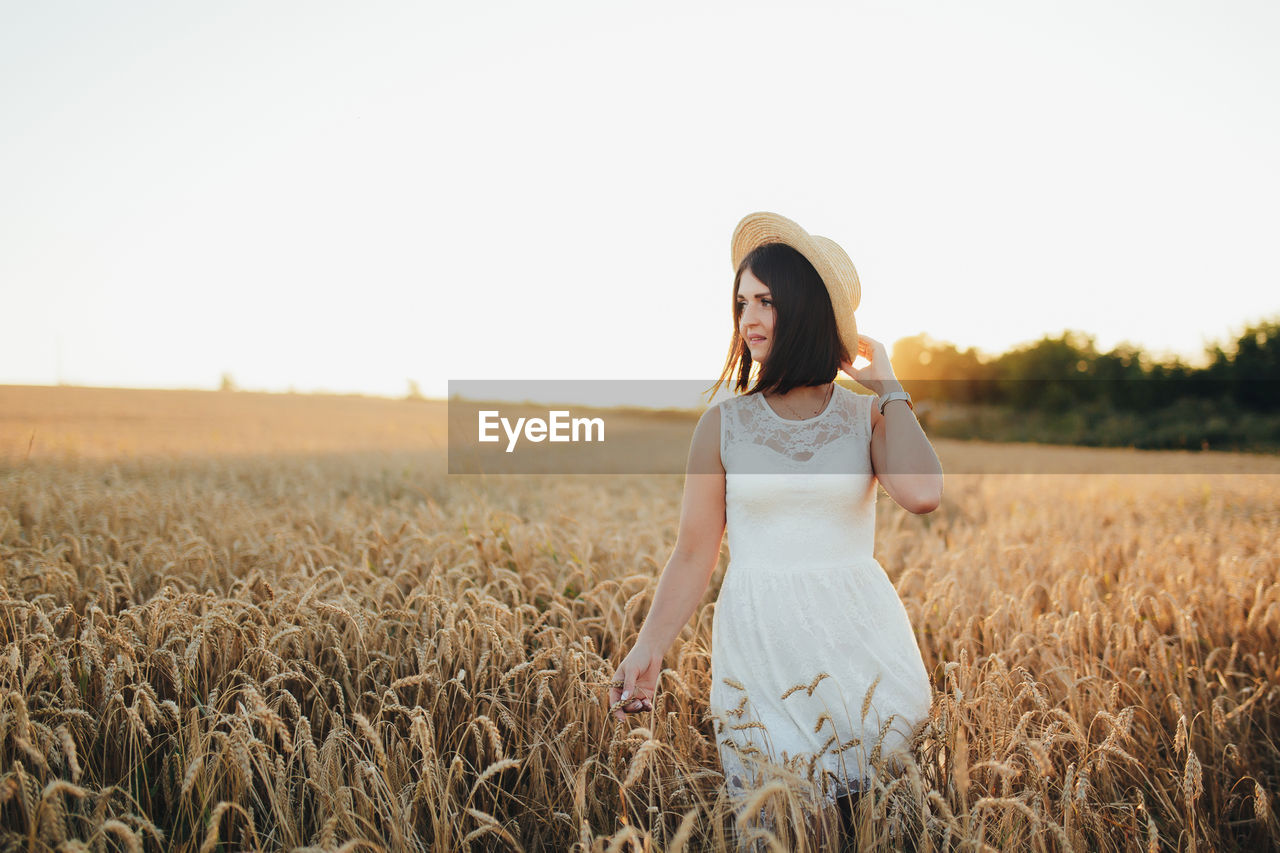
(736, 685)
(1030, 814)
(823, 718)
(24, 788)
(283, 787)
(1219, 713)
(639, 761)
(36, 756)
(238, 744)
(170, 709)
(495, 737)
(1037, 696)
(109, 681)
(1038, 754)
(362, 723)
(189, 778)
(494, 769)
(70, 690)
(411, 681)
(53, 828)
(59, 787)
(754, 724)
(122, 831)
(1019, 730)
(446, 638)
(340, 653)
(514, 671)
(754, 805)
(615, 751)
(22, 721)
(507, 718)
(74, 845)
(481, 664)
(1002, 768)
(936, 799)
(212, 835)
(68, 744)
(792, 689)
(894, 818)
(1231, 754)
(79, 714)
(146, 699)
(423, 734)
(1192, 779)
(170, 770)
(268, 718)
(562, 737)
(676, 683)
(1110, 749)
(849, 744)
(141, 823)
(866, 699)
(303, 736)
(1082, 786)
(874, 758)
(1125, 721)
(1180, 737)
(488, 824)
(1069, 722)
(1261, 803)
(684, 832)
(960, 762)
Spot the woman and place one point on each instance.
(814, 662)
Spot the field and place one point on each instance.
(239, 621)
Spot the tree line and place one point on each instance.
(1058, 373)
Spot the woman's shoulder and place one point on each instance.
(858, 406)
(732, 403)
(731, 415)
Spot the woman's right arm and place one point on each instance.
(689, 569)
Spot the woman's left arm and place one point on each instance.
(902, 457)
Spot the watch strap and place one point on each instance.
(894, 395)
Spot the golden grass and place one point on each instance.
(302, 635)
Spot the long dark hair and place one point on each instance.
(806, 348)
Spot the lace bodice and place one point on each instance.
(798, 492)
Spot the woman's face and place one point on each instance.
(755, 324)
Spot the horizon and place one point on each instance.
(443, 395)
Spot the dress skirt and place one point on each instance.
(816, 669)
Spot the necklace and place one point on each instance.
(825, 399)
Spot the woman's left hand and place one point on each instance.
(878, 373)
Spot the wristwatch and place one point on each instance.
(895, 395)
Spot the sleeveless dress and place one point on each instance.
(807, 622)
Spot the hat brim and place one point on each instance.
(832, 263)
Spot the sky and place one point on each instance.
(349, 196)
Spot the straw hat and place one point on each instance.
(831, 262)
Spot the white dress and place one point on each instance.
(803, 596)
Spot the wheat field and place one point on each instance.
(245, 621)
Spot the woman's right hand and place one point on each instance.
(636, 682)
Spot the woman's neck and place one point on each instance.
(802, 392)
(805, 401)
